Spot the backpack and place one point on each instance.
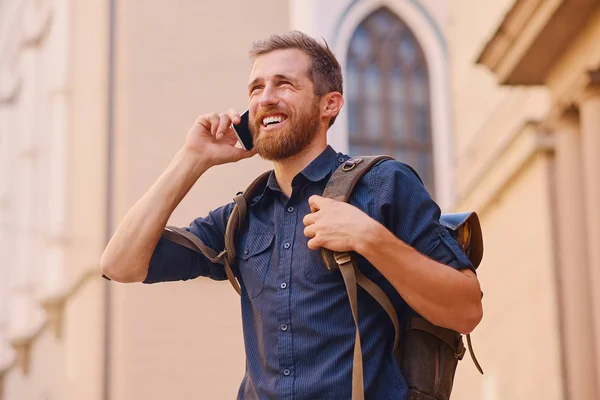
(427, 354)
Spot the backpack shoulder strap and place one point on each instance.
(236, 219)
(235, 222)
(340, 187)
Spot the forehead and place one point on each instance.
(288, 62)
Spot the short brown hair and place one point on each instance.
(325, 71)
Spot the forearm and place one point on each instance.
(127, 255)
(444, 296)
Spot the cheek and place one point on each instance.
(253, 106)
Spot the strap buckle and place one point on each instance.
(461, 350)
(342, 258)
(221, 254)
(351, 164)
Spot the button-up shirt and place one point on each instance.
(297, 323)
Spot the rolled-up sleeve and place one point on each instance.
(173, 262)
(406, 208)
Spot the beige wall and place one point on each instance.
(174, 64)
(517, 342)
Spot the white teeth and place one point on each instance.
(270, 120)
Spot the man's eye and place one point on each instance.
(282, 83)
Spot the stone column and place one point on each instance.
(590, 144)
(5, 239)
(56, 81)
(23, 303)
(573, 273)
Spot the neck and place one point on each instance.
(286, 170)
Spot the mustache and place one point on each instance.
(270, 110)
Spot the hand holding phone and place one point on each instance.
(213, 138)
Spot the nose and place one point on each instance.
(268, 97)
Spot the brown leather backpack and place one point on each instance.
(427, 354)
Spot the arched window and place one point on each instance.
(388, 94)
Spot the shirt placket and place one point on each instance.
(284, 320)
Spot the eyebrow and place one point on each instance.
(280, 77)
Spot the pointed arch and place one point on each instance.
(429, 38)
(388, 93)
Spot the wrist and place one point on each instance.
(196, 162)
(370, 238)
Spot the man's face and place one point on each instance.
(284, 112)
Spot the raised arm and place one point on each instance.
(209, 142)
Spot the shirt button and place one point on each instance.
(341, 159)
(283, 285)
(286, 372)
(284, 327)
(290, 209)
(286, 246)
(246, 251)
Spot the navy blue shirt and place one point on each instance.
(297, 323)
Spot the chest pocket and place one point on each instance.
(254, 258)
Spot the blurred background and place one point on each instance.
(495, 103)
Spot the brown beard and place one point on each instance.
(286, 142)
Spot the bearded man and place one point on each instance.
(297, 324)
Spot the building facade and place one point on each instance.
(494, 103)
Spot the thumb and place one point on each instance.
(241, 154)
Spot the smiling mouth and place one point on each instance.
(273, 120)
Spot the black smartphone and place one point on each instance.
(242, 131)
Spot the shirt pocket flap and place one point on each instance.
(259, 239)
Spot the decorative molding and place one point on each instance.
(532, 37)
(12, 96)
(54, 308)
(39, 33)
(22, 348)
(505, 165)
(2, 375)
(592, 87)
(416, 3)
(582, 86)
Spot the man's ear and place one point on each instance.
(332, 104)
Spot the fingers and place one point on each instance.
(213, 123)
(314, 244)
(219, 124)
(224, 126)
(310, 231)
(310, 219)
(234, 116)
(316, 202)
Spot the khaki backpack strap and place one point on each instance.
(472, 353)
(192, 242)
(339, 187)
(379, 295)
(347, 268)
(236, 219)
(450, 337)
(235, 222)
(231, 277)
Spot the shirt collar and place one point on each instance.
(323, 165)
(318, 169)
